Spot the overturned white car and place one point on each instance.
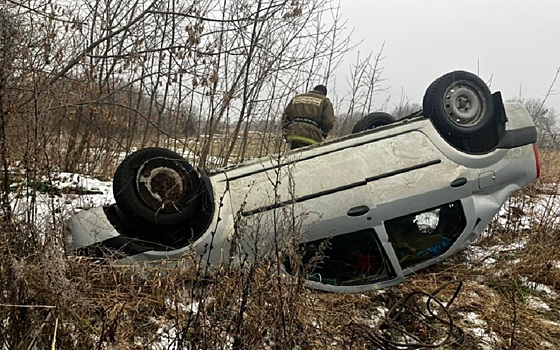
(387, 200)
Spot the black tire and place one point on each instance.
(459, 104)
(156, 185)
(373, 120)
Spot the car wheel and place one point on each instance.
(372, 121)
(156, 185)
(459, 103)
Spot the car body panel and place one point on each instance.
(94, 225)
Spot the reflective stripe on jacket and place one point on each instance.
(300, 139)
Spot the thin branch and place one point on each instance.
(96, 43)
(551, 88)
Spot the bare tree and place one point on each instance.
(546, 119)
(8, 38)
(365, 82)
(106, 77)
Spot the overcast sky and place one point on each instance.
(515, 43)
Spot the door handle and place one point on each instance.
(459, 182)
(358, 211)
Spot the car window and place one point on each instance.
(421, 236)
(346, 260)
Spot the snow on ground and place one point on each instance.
(73, 193)
(79, 192)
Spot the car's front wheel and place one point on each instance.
(156, 185)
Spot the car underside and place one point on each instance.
(368, 208)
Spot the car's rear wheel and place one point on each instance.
(373, 120)
(459, 104)
(156, 185)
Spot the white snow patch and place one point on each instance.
(536, 303)
(539, 287)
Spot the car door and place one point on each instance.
(321, 194)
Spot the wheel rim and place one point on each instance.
(464, 104)
(162, 188)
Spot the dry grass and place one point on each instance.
(508, 297)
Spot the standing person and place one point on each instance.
(308, 118)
